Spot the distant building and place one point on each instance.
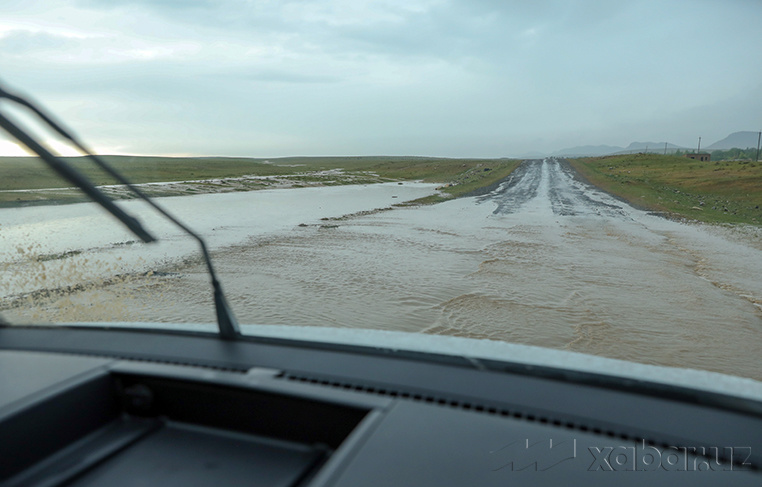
(701, 156)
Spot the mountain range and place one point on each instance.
(741, 140)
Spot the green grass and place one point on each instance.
(31, 173)
(714, 192)
(460, 176)
(464, 178)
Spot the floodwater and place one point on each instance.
(544, 260)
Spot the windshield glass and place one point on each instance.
(579, 176)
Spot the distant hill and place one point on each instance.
(740, 140)
(651, 146)
(588, 150)
(531, 155)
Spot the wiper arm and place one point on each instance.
(69, 173)
(226, 322)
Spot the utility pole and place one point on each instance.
(699, 146)
(665, 148)
(759, 137)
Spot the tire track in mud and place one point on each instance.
(566, 195)
(520, 187)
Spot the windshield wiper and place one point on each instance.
(226, 322)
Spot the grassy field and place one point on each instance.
(461, 177)
(458, 176)
(31, 173)
(715, 192)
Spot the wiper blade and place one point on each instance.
(68, 172)
(226, 322)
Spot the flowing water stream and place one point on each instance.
(544, 260)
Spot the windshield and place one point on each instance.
(579, 176)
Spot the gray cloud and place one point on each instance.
(158, 5)
(288, 77)
(23, 42)
(448, 77)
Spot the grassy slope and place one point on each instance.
(467, 174)
(716, 192)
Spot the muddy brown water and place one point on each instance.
(544, 260)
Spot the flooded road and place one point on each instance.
(543, 260)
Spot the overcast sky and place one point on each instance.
(483, 78)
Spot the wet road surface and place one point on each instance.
(543, 260)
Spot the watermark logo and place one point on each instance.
(647, 458)
(542, 455)
(538, 456)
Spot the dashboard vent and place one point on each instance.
(476, 407)
(457, 403)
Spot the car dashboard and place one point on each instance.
(85, 406)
